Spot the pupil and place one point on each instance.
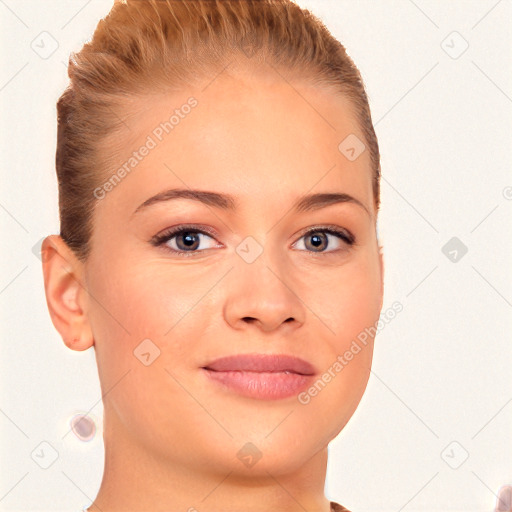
(189, 239)
(317, 240)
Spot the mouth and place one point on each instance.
(261, 376)
(262, 363)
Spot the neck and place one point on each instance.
(135, 479)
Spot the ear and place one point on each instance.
(65, 293)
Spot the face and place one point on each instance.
(251, 274)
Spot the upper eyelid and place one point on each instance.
(176, 230)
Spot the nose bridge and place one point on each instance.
(257, 268)
(263, 263)
(259, 289)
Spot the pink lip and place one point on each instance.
(262, 376)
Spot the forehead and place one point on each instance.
(246, 135)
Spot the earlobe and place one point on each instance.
(65, 294)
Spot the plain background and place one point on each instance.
(433, 430)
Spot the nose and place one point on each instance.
(260, 297)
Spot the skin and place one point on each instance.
(172, 437)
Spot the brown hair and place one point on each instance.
(143, 46)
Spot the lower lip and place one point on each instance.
(261, 385)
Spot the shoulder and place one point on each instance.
(336, 507)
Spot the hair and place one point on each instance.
(145, 46)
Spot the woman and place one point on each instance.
(218, 191)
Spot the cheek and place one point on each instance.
(129, 308)
(141, 310)
(350, 307)
(348, 302)
(137, 303)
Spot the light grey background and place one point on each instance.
(441, 386)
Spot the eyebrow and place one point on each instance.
(228, 203)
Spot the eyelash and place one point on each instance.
(160, 240)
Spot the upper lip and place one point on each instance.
(262, 363)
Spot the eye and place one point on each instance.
(186, 240)
(318, 238)
(182, 240)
